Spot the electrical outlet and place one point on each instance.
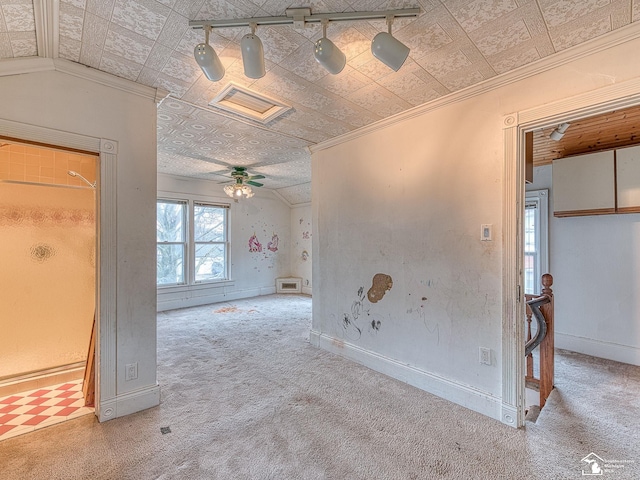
(485, 356)
(131, 371)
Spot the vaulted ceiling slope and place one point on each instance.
(454, 44)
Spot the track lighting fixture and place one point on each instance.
(252, 54)
(384, 47)
(388, 49)
(558, 133)
(327, 54)
(207, 59)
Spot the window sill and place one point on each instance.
(195, 286)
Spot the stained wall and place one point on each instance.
(426, 184)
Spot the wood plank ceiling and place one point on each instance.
(616, 129)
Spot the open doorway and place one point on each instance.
(542, 120)
(48, 211)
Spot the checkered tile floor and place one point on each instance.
(28, 411)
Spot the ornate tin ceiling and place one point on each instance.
(454, 44)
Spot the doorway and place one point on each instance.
(48, 218)
(516, 126)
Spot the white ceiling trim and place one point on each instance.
(22, 65)
(612, 39)
(47, 19)
(102, 78)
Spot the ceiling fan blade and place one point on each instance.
(256, 177)
(255, 184)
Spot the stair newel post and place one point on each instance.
(547, 345)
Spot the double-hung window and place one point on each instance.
(171, 225)
(192, 242)
(210, 242)
(536, 262)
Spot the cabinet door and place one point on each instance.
(628, 179)
(584, 185)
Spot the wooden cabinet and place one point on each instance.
(597, 183)
(628, 179)
(584, 185)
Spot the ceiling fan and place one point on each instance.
(242, 183)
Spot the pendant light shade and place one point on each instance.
(209, 62)
(389, 50)
(252, 55)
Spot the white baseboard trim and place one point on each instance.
(455, 392)
(197, 298)
(598, 348)
(306, 290)
(128, 403)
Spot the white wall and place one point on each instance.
(595, 263)
(68, 103)
(252, 273)
(301, 237)
(425, 185)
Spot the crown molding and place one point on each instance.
(106, 79)
(25, 65)
(22, 65)
(598, 44)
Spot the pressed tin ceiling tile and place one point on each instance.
(454, 44)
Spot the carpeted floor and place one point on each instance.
(245, 396)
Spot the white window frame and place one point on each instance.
(184, 242)
(189, 261)
(541, 199)
(192, 244)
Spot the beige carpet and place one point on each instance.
(245, 396)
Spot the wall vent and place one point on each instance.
(289, 285)
(255, 106)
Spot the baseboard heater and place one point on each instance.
(289, 285)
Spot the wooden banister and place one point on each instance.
(548, 344)
(544, 303)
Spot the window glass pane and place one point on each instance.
(210, 262)
(530, 252)
(170, 264)
(170, 221)
(209, 223)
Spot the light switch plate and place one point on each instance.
(486, 232)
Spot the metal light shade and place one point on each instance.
(329, 56)
(252, 56)
(388, 50)
(209, 62)
(559, 132)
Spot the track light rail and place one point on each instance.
(303, 15)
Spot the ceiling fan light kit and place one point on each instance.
(386, 48)
(241, 188)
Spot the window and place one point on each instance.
(192, 242)
(536, 261)
(172, 242)
(210, 238)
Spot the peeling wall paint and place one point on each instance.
(381, 283)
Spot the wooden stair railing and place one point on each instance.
(544, 303)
